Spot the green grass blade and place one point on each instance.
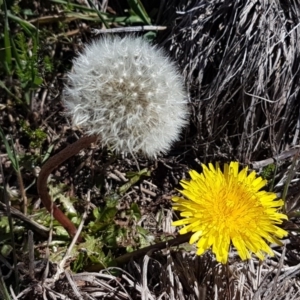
(28, 27)
(272, 183)
(81, 7)
(2, 85)
(16, 55)
(138, 8)
(91, 3)
(7, 45)
(10, 151)
(48, 153)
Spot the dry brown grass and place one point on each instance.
(241, 64)
(175, 275)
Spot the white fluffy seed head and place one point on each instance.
(129, 93)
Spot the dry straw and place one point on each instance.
(241, 63)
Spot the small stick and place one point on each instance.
(46, 170)
(31, 254)
(271, 160)
(130, 29)
(146, 191)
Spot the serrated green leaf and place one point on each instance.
(88, 253)
(108, 214)
(111, 235)
(57, 193)
(80, 261)
(145, 238)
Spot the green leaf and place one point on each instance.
(96, 213)
(134, 178)
(108, 214)
(145, 238)
(268, 171)
(37, 81)
(60, 231)
(88, 253)
(7, 44)
(79, 263)
(48, 153)
(57, 193)
(6, 250)
(135, 211)
(112, 200)
(4, 225)
(111, 235)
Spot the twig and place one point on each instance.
(279, 268)
(146, 191)
(12, 294)
(22, 191)
(284, 155)
(290, 177)
(129, 29)
(31, 254)
(120, 175)
(73, 286)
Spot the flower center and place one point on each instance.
(236, 208)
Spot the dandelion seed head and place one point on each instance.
(128, 92)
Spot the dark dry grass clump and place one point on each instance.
(173, 275)
(240, 60)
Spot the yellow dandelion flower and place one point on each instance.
(224, 208)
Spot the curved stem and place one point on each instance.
(46, 170)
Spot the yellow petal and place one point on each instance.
(229, 208)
